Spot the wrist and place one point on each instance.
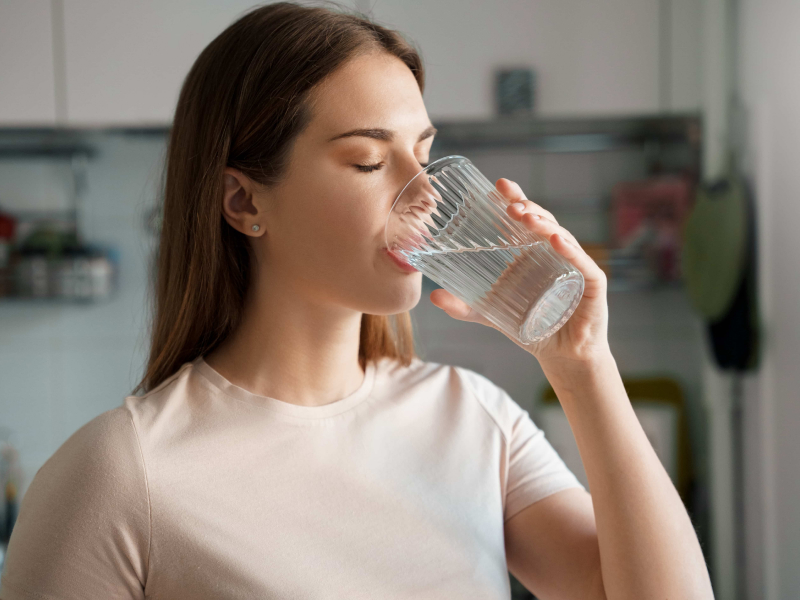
(568, 371)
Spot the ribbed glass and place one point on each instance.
(450, 223)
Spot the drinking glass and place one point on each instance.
(450, 223)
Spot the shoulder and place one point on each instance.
(417, 372)
(101, 460)
(494, 399)
(171, 400)
(462, 385)
(87, 512)
(421, 376)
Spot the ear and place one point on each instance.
(237, 203)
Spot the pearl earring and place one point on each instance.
(256, 227)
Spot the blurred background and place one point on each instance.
(662, 133)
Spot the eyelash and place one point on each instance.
(377, 167)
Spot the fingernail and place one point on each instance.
(519, 205)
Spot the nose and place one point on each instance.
(418, 202)
(425, 194)
(413, 205)
(408, 169)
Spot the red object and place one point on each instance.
(648, 219)
(8, 226)
(665, 200)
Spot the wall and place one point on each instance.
(61, 365)
(769, 87)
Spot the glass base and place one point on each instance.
(552, 310)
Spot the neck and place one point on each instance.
(291, 347)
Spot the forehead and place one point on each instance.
(373, 90)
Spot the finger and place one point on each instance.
(529, 207)
(462, 312)
(593, 276)
(536, 224)
(510, 189)
(457, 308)
(513, 192)
(582, 261)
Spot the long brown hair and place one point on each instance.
(242, 104)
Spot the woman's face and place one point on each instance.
(325, 222)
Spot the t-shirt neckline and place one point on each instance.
(305, 412)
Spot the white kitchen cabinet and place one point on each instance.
(598, 57)
(126, 61)
(27, 88)
(601, 57)
(121, 63)
(686, 48)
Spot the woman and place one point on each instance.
(288, 443)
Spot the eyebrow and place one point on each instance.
(385, 135)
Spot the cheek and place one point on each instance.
(354, 215)
(344, 235)
(336, 218)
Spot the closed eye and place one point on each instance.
(378, 166)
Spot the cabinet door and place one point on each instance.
(686, 46)
(597, 57)
(126, 61)
(27, 90)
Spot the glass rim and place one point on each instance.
(426, 169)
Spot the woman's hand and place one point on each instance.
(584, 336)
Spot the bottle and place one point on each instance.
(11, 509)
(7, 230)
(9, 468)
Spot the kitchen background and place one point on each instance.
(611, 113)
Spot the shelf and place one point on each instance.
(558, 135)
(52, 152)
(44, 143)
(587, 134)
(51, 301)
(64, 142)
(548, 134)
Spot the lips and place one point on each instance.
(399, 261)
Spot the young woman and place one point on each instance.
(288, 443)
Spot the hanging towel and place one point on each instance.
(718, 265)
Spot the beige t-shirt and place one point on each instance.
(201, 490)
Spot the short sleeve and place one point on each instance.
(532, 468)
(83, 529)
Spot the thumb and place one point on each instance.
(456, 308)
